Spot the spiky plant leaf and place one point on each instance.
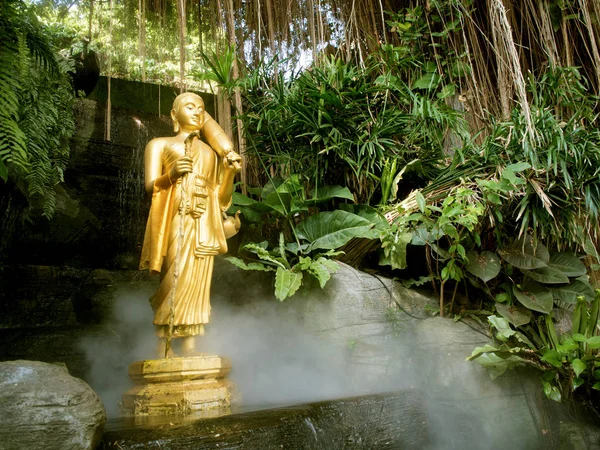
(287, 283)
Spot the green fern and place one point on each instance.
(36, 118)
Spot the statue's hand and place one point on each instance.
(233, 161)
(182, 166)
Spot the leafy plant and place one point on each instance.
(289, 265)
(568, 362)
(312, 238)
(446, 230)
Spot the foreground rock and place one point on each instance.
(42, 406)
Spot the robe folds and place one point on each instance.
(183, 234)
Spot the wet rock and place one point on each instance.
(387, 421)
(577, 436)
(41, 405)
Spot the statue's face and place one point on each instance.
(189, 113)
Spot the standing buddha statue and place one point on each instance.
(191, 183)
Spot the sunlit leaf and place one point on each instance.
(286, 283)
(331, 230)
(578, 367)
(250, 266)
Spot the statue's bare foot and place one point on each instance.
(162, 349)
(188, 346)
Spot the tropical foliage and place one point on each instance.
(36, 116)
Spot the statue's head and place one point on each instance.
(188, 112)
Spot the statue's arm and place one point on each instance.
(153, 173)
(215, 136)
(222, 145)
(153, 169)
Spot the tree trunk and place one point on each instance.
(90, 21)
(142, 37)
(595, 53)
(311, 27)
(271, 24)
(238, 96)
(182, 34)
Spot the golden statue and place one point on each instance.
(191, 182)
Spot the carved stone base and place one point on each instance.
(178, 385)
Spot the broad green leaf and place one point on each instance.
(568, 345)
(496, 365)
(577, 382)
(502, 297)
(547, 275)
(552, 392)
(367, 212)
(553, 358)
(569, 264)
(518, 167)
(286, 283)
(525, 254)
(304, 263)
(325, 193)
(447, 91)
(569, 293)
(320, 272)
(534, 296)
(294, 248)
(579, 337)
(514, 314)
(428, 81)
(280, 202)
(264, 254)
(252, 210)
(250, 266)
(524, 339)
(590, 248)
(394, 252)
(331, 265)
(331, 230)
(578, 367)
(596, 386)
(503, 327)
(484, 265)
(241, 199)
(271, 187)
(594, 342)
(478, 351)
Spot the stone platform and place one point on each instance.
(383, 421)
(178, 385)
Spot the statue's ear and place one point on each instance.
(175, 122)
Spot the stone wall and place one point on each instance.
(102, 205)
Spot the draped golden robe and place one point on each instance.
(183, 252)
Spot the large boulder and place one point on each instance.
(42, 406)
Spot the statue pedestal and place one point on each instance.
(178, 385)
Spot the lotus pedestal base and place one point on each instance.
(178, 385)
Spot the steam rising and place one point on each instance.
(276, 361)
